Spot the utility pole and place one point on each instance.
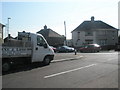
(8, 27)
(65, 33)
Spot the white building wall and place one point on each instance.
(82, 38)
(112, 37)
(74, 38)
(78, 39)
(1, 33)
(109, 35)
(94, 37)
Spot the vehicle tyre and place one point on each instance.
(6, 66)
(47, 60)
(98, 51)
(81, 51)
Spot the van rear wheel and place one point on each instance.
(47, 60)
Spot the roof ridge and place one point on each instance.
(91, 25)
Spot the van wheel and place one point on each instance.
(46, 60)
(6, 66)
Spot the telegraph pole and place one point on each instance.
(65, 33)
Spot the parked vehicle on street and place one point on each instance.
(90, 48)
(117, 48)
(27, 48)
(65, 49)
(53, 48)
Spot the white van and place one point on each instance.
(27, 48)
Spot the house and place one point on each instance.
(95, 31)
(53, 38)
(1, 33)
(7, 38)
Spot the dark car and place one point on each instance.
(65, 49)
(90, 48)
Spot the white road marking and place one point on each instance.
(112, 59)
(102, 53)
(109, 59)
(52, 75)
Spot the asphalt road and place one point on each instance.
(93, 70)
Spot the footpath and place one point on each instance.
(59, 57)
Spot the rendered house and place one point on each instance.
(90, 32)
(1, 33)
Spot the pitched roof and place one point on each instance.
(2, 25)
(93, 25)
(49, 33)
(53, 34)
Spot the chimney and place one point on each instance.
(45, 27)
(92, 19)
(9, 36)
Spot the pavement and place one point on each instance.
(59, 57)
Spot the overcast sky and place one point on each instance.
(32, 16)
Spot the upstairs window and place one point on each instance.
(102, 33)
(88, 33)
(78, 35)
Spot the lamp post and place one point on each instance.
(65, 33)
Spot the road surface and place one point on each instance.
(93, 70)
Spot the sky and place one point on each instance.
(32, 16)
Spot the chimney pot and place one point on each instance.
(45, 27)
(92, 18)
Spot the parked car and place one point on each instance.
(54, 49)
(117, 48)
(90, 48)
(65, 49)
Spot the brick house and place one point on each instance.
(53, 38)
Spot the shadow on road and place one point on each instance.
(23, 67)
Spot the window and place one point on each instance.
(78, 35)
(88, 41)
(40, 41)
(113, 36)
(102, 33)
(88, 33)
(103, 42)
